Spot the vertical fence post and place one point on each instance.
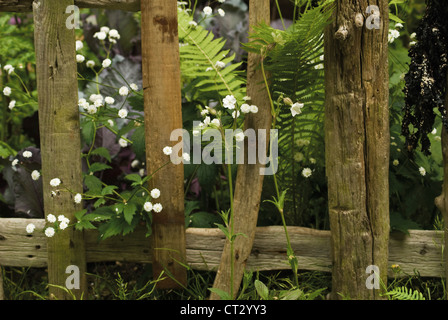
(442, 200)
(247, 204)
(163, 114)
(357, 143)
(57, 88)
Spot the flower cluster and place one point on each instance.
(53, 225)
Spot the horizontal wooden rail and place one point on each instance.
(26, 5)
(420, 251)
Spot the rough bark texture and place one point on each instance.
(60, 135)
(357, 146)
(442, 200)
(163, 114)
(247, 204)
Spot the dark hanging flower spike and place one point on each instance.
(426, 80)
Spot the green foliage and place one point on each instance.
(403, 293)
(294, 62)
(199, 53)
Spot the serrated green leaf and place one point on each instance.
(103, 152)
(129, 212)
(98, 166)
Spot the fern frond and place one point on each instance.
(403, 293)
(292, 58)
(199, 53)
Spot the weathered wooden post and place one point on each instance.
(357, 143)
(60, 136)
(163, 114)
(442, 200)
(247, 204)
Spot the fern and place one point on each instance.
(293, 58)
(403, 293)
(199, 52)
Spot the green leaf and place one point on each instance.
(87, 130)
(134, 177)
(129, 212)
(103, 152)
(98, 166)
(221, 293)
(108, 190)
(138, 139)
(262, 290)
(93, 183)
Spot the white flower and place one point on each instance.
(106, 63)
(80, 58)
(63, 225)
(100, 35)
(221, 12)
(79, 45)
(155, 193)
(124, 91)
(312, 160)
(110, 122)
(209, 69)
(296, 109)
(398, 26)
(135, 163)
(247, 98)
(78, 198)
(114, 34)
(51, 218)
(167, 150)
(220, 64)
(133, 86)
(9, 68)
(30, 228)
(306, 172)
(14, 162)
(396, 162)
(239, 137)
(206, 121)
(90, 64)
(253, 109)
(91, 109)
(216, 122)
(193, 24)
(95, 97)
(413, 35)
(62, 218)
(434, 131)
(12, 104)
(141, 172)
(235, 114)
(208, 10)
(393, 34)
(319, 66)
(221, 1)
(245, 108)
(123, 143)
(186, 157)
(412, 43)
(122, 113)
(204, 112)
(27, 154)
(49, 232)
(229, 102)
(157, 207)
(422, 171)
(104, 29)
(109, 100)
(55, 182)
(147, 206)
(7, 91)
(35, 175)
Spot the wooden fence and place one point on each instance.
(202, 249)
